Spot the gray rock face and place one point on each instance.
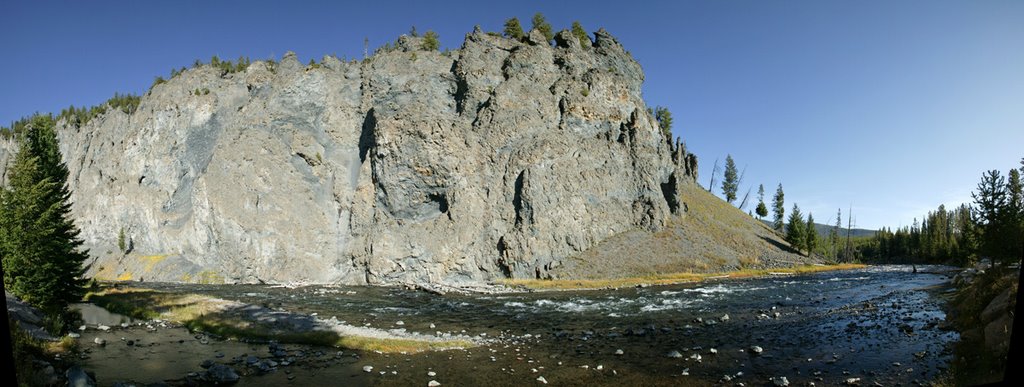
(497, 160)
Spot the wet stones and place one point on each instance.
(780, 381)
(220, 374)
(756, 350)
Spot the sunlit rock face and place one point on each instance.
(499, 159)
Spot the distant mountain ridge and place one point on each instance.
(825, 229)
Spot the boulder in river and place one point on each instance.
(77, 377)
(220, 374)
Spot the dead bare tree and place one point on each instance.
(849, 226)
(714, 172)
(745, 197)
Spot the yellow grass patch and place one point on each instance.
(151, 260)
(669, 279)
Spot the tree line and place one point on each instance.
(991, 227)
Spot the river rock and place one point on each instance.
(542, 380)
(220, 374)
(77, 377)
(674, 354)
(433, 383)
(780, 381)
(756, 350)
(368, 368)
(99, 341)
(499, 159)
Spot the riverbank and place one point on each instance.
(236, 320)
(668, 279)
(983, 311)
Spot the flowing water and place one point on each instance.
(879, 324)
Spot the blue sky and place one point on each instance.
(893, 107)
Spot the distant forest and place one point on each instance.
(990, 228)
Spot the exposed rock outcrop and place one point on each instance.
(494, 160)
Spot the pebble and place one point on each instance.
(367, 368)
(103, 328)
(82, 328)
(431, 373)
(756, 350)
(713, 351)
(542, 380)
(433, 383)
(618, 352)
(74, 335)
(674, 355)
(725, 317)
(99, 341)
(399, 322)
(686, 372)
(852, 381)
(780, 381)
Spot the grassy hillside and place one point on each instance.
(710, 236)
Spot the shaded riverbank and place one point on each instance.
(877, 324)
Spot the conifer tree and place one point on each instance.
(541, 24)
(778, 208)
(431, 41)
(761, 210)
(581, 34)
(812, 235)
(513, 29)
(730, 183)
(664, 119)
(39, 245)
(990, 201)
(795, 233)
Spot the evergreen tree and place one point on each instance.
(795, 233)
(430, 41)
(581, 34)
(664, 119)
(990, 201)
(541, 24)
(1014, 217)
(778, 208)
(730, 184)
(514, 30)
(761, 210)
(811, 240)
(39, 245)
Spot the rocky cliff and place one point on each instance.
(500, 159)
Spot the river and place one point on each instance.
(881, 324)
